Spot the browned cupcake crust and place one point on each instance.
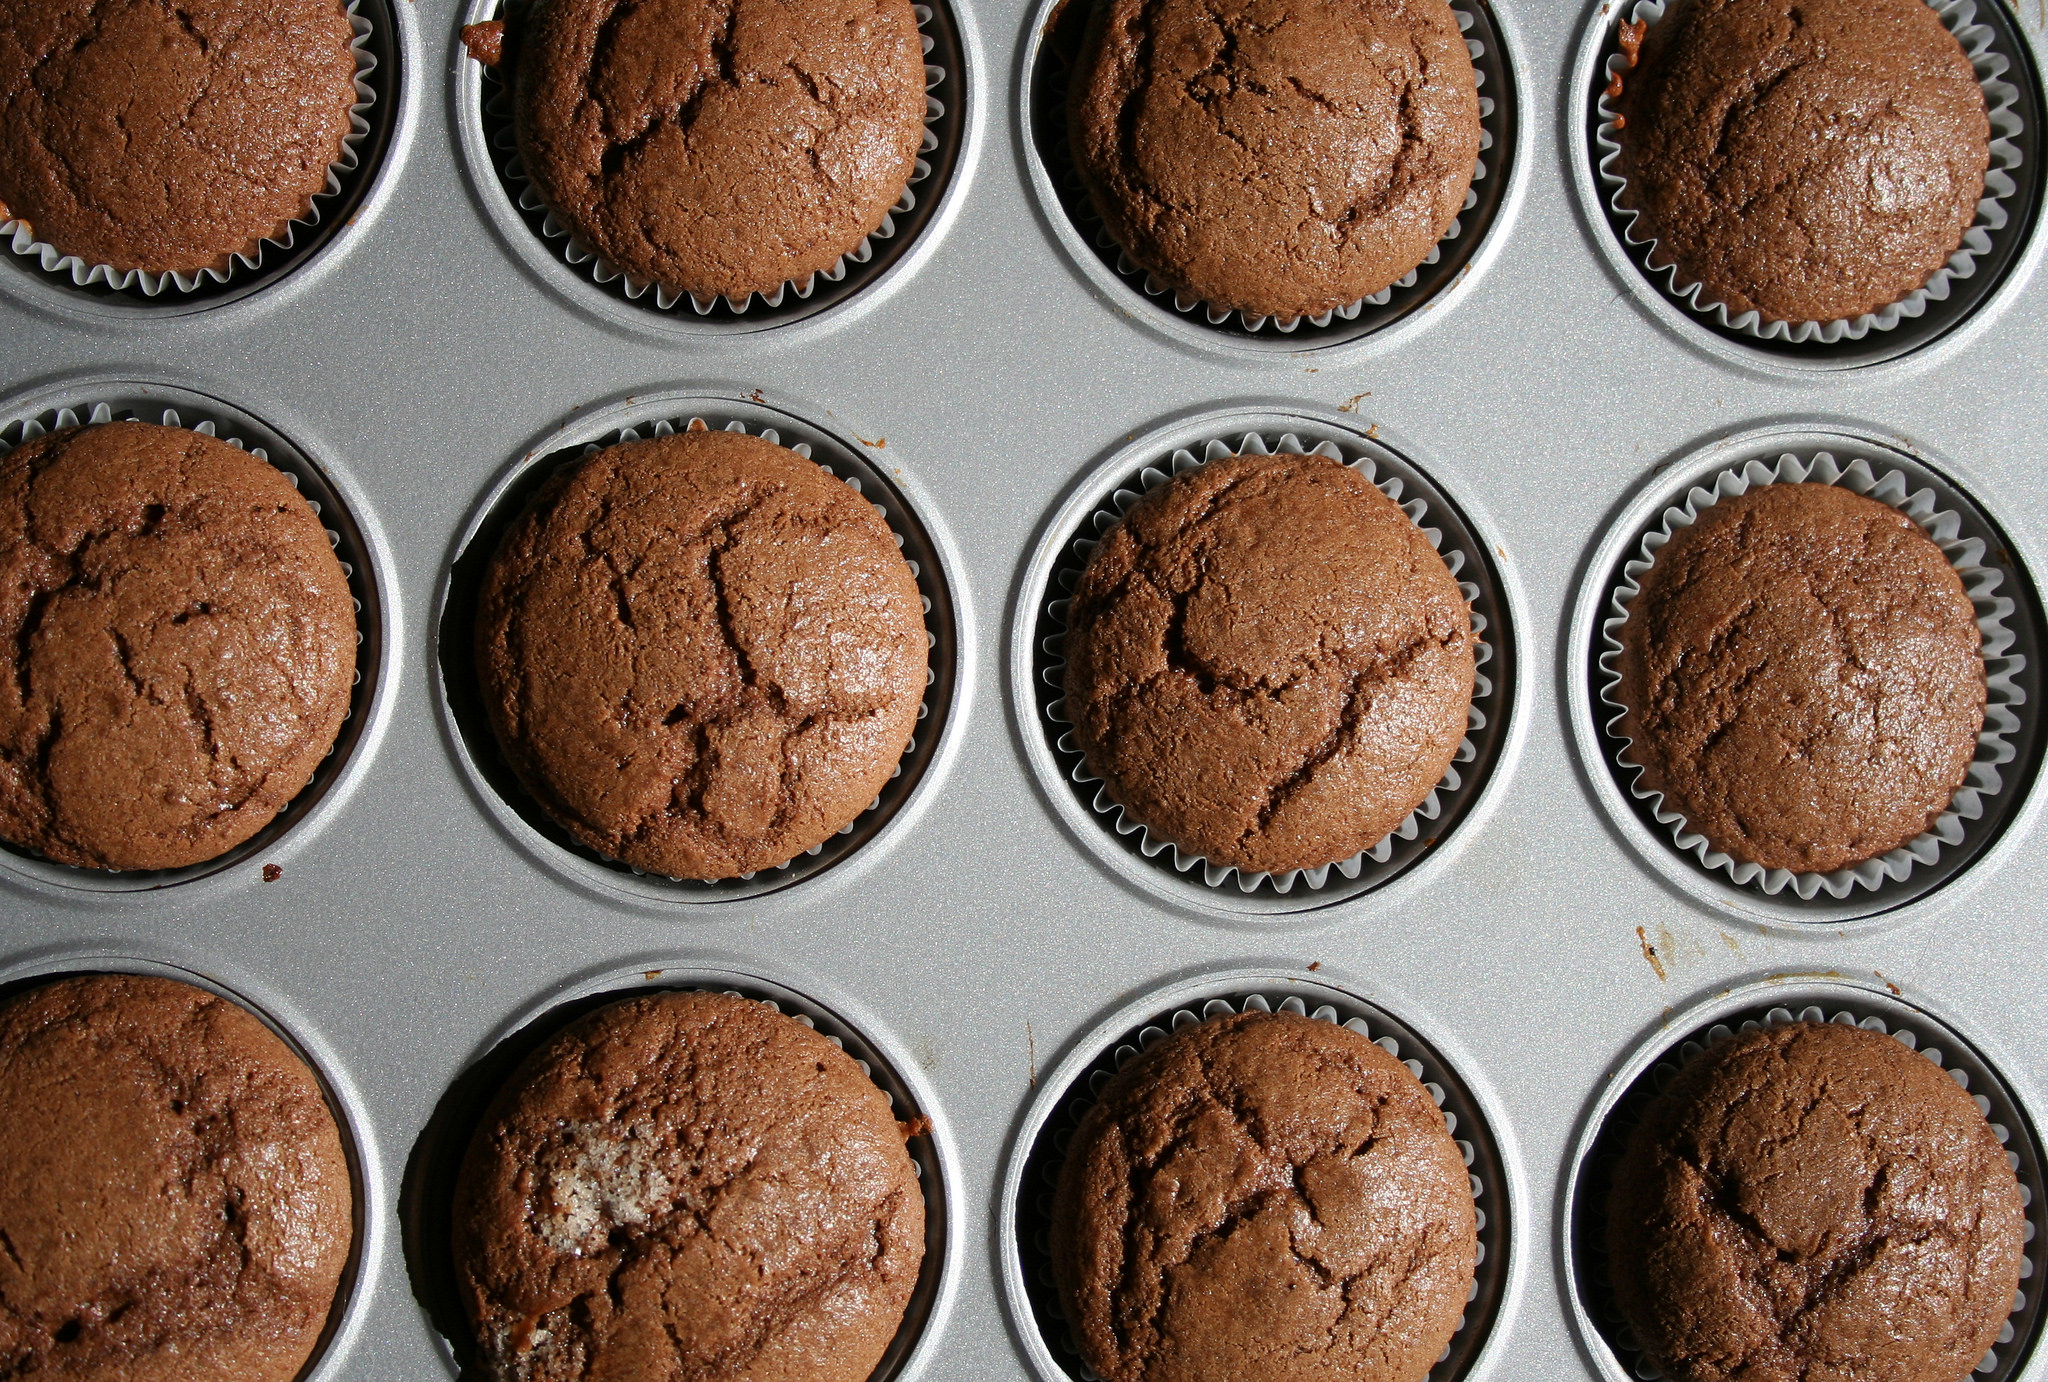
(1814, 1200)
(689, 1185)
(1807, 159)
(721, 147)
(1267, 663)
(1803, 678)
(143, 135)
(174, 1200)
(701, 653)
(1265, 1196)
(1276, 157)
(182, 646)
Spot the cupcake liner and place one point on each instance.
(1187, 303)
(1911, 1029)
(2001, 103)
(21, 235)
(2002, 667)
(1475, 1144)
(21, 430)
(512, 170)
(666, 427)
(1123, 822)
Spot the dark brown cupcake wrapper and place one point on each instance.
(1916, 1032)
(512, 168)
(21, 239)
(1106, 516)
(2002, 667)
(2001, 103)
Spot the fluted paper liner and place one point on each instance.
(667, 427)
(1067, 1119)
(1925, 1036)
(2001, 668)
(1107, 515)
(574, 251)
(22, 240)
(19, 431)
(2001, 103)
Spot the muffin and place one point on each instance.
(1802, 678)
(183, 646)
(169, 138)
(1814, 1200)
(1808, 161)
(720, 147)
(687, 1185)
(1263, 1196)
(1279, 161)
(1267, 663)
(174, 1200)
(702, 654)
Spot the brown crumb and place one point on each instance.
(916, 1127)
(650, 975)
(1315, 965)
(272, 872)
(1650, 952)
(486, 42)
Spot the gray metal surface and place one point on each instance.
(417, 357)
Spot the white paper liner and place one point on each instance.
(1929, 1044)
(2001, 101)
(1108, 515)
(1155, 1032)
(2004, 694)
(574, 250)
(1186, 302)
(18, 432)
(666, 427)
(21, 235)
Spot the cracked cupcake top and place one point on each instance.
(1802, 677)
(1808, 159)
(182, 645)
(701, 653)
(1814, 1200)
(175, 1203)
(721, 147)
(1264, 1195)
(688, 1185)
(1268, 663)
(1276, 157)
(146, 135)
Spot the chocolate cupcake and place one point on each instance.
(1802, 678)
(1814, 1200)
(1811, 162)
(1278, 162)
(1267, 663)
(1263, 1195)
(687, 1185)
(169, 139)
(175, 1203)
(701, 653)
(720, 149)
(183, 646)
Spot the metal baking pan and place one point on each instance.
(986, 939)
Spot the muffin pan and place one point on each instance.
(983, 934)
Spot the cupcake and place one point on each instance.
(1275, 162)
(174, 1199)
(720, 149)
(702, 654)
(1814, 1200)
(687, 1185)
(1267, 663)
(1802, 678)
(170, 138)
(183, 646)
(1263, 1195)
(1811, 161)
